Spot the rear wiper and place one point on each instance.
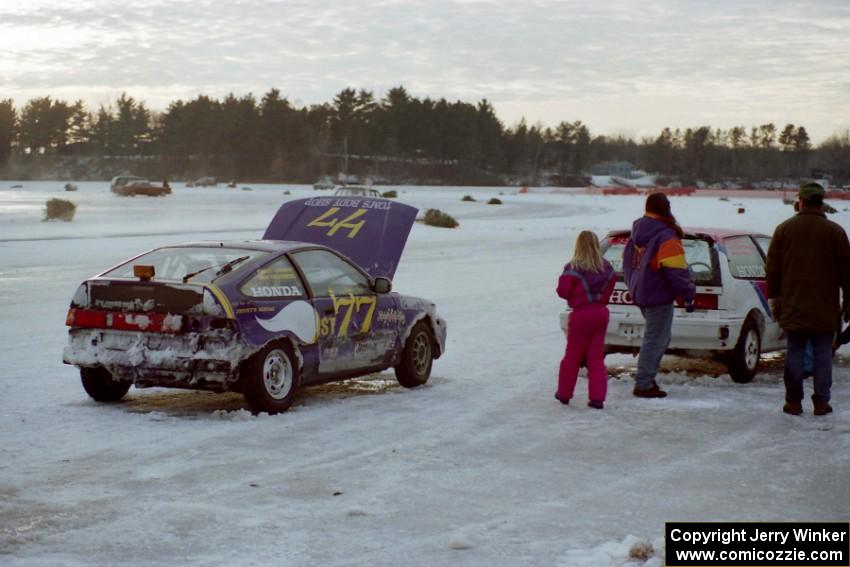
(187, 277)
(229, 266)
(221, 271)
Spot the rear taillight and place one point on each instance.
(89, 318)
(147, 322)
(702, 301)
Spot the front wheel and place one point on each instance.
(100, 386)
(270, 379)
(416, 358)
(744, 360)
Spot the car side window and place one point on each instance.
(276, 280)
(329, 274)
(745, 260)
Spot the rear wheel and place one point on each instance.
(744, 360)
(270, 379)
(416, 358)
(100, 386)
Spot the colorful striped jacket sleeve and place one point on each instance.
(671, 258)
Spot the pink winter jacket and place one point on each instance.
(581, 287)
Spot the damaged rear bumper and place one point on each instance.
(199, 361)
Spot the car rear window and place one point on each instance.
(699, 255)
(745, 258)
(177, 263)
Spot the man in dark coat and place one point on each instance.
(808, 264)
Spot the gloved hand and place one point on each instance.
(775, 306)
(689, 307)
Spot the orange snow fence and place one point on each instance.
(620, 191)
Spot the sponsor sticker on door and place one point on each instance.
(621, 297)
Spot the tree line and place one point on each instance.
(392, 138)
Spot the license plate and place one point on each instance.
(632, 331)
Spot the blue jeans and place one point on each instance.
(656, 339)
(822, 365)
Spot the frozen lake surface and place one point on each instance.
(482, 467)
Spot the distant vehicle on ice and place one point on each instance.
(203, 182)
(356, 191)
(324, 184)
(131, 185)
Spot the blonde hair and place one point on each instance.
(587, 255)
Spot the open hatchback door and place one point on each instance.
(370, 231)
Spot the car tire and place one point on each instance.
(414, 369)
(100, 386)
(270, 379)
(744, 359)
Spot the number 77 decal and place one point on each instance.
(326, 220)
(353, 304)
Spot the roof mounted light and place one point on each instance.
(144, 273)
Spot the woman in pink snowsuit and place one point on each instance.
(586, 284)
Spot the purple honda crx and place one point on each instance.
(309, 303)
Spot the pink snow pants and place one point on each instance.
(585, 341)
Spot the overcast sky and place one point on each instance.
(621, 66)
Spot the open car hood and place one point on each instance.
(370, 231)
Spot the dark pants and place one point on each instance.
(822, 362)
(656, 339)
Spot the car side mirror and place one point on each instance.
(382, 285)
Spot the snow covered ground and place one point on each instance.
(482, 467)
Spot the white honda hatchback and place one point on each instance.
(731, 321)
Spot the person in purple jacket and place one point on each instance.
(656, 273)
(586, 283)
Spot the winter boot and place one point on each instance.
(652, 392)
(596, 404)
(565, 401)
(793, 408)
(822, 408)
